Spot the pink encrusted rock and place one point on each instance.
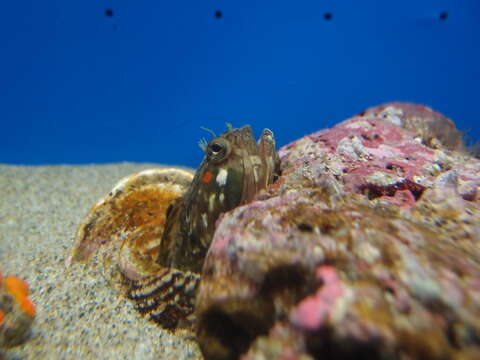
(367, 246)
(313, 310)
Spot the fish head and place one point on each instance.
(235, 167)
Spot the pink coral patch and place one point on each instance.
(312, 311)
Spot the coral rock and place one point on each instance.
(16, 310)
(367, 246)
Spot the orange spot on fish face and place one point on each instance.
(207, 177)
(2, 317)
(1, 278)
(28, 307)
(16, 286)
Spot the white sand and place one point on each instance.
(79, 315)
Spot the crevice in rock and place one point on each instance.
(373, 191)
(227, 328)
(324, 345)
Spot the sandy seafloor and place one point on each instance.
(79, 315)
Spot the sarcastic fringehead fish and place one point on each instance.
(157, 225)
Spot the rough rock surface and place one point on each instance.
(367, 247)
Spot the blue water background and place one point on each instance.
(80, 84)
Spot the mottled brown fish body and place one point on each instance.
(234, 169)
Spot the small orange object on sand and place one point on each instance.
(17, 287)
(17, 311)
(27, 307)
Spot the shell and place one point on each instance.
(127, 226)
(168, 297)
(137, 229)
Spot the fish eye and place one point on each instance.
(218, 149)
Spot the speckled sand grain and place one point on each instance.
(79, 315)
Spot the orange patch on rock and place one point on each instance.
(17, 287)
(28, 307)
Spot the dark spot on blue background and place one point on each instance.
(108, 12)
(218, 14)
(443, 15)
(327, 16)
